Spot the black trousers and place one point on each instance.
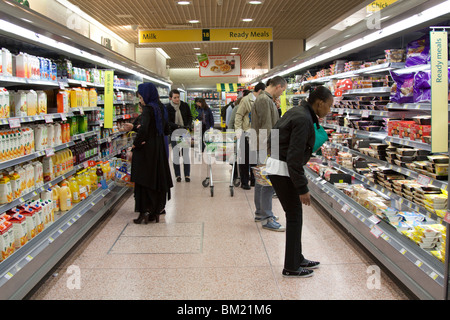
(245, 167)
(292, 206)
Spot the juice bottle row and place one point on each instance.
(17, 181)
(19, 142)
(15, 143)
(75, 98)
(23, 223)
(22, 103)
(27, 66)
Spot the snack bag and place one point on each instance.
(403, 90)
(418, 52)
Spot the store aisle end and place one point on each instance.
(210, 248)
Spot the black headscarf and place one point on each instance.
(149, 93)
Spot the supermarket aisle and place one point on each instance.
(210, 248)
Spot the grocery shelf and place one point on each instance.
(123, 102)
(8, 81)
(38, 154)
(416, 68)
(409, 143)
(53, 116)
(380, 135)
(400, 202)
(422, 273)
(20, 272)
(409, 173)
(369, 91)
(379, 68)
(85, 109)
(366, 113)
(112, 136)
(83, 84)
(411, 106)
(45, 186)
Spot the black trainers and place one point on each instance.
(300, 273)
(308, 264)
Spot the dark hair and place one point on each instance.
(204, 106)
(319, 93)
(260, 86)
(307, 87)
(174, 91)
(245, 92)
(275, 81)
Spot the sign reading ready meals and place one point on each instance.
(201, 35)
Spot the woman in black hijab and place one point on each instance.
(150, 169)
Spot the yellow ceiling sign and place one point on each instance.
(250, 34)
(205, 35)
(380, 5)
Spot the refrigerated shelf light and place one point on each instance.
(31, 35)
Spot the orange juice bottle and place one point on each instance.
(93, 179)
(75, 189)
(65, 197)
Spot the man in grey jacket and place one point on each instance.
(264, 117)
(242, 126)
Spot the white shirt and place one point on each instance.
(276, 167)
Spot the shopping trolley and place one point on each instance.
(223, 146)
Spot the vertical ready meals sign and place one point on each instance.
(219, 66)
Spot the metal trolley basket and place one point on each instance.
(221, 146)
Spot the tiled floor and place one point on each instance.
(210, 248)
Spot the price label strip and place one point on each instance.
(377, 232)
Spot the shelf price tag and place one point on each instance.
(63, 117)
(377, 232)
(14, 123)
(423, 180)
(48, 118)
(365, 114)
(374, 219)
(49, 152)
(345, 208)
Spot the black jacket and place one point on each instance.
(296, 142)
(185, 113)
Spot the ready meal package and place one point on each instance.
(418, 52)
(403, 89)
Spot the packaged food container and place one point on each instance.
(20, 230)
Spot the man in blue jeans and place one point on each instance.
(179, 120)
(264, 117)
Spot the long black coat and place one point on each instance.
(150, 163)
